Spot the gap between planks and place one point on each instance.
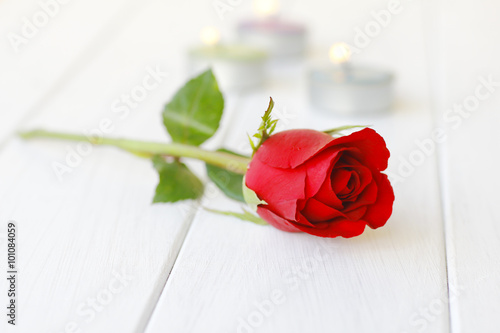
(436, 83)
(194, 211)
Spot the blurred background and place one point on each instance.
(69, 65)
(40, 62)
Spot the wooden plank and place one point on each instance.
(77, 237)
(46, 43)
(468, 111)
(79, 234)
(233, 276)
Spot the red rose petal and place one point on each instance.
(372, 148)
(327, 196)
(359, 181)
(356, 214)
(275, 220)
(275, 185)
(318, 169)
(353, 183)
(365, 178)
(367, 197)
(339, 179)
(379, 212)
(316, 211)
(301, 219)
(348, 161)
(289, 149)
(342, 227)
(286, 209)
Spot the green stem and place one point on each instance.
(227, 161)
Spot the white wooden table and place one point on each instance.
(96, 256)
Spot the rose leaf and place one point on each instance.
(194, 113)
(177, 182)
(229, 182)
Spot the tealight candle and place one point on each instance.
(280, 38)
(235, 66)
(348, 89)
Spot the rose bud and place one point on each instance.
(311, 182)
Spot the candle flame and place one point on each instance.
(266, 7)
(340, 53)
(210, 36)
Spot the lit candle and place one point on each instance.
(282, 39)
(344, 88)
(235, 66)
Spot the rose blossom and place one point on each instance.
(321, 185)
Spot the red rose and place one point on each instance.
(321, 185)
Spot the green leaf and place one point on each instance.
(229, 182)
(194, 113)
(177, 182)
(246, 216)
(337, 130)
